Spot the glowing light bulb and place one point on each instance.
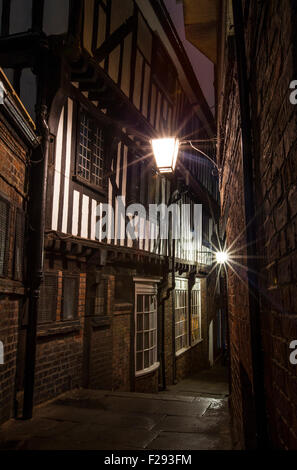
(222, 257)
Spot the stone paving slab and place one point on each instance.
(189, 424)
(189, 441)
(102, 420)
(156, 406)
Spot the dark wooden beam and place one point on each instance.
(115, 39)
(37, 15)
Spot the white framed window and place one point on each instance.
(181, 315)
(145, 328)
(196, 312)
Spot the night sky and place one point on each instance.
(202, 66)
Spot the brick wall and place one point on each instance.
(121, 357)
(13, 170)
(59, 355)
(9, 314)
(99, 340)
(271, 52)
(147, 383)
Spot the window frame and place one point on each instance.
(100, 298)
(196, 288)
(182, 285)
(144, 289)
(74, 277)
(94, 125)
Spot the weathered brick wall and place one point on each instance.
(121, 357)
(147, 383)
(9, 314)
(58, 366)
(13, 169)
(100, 372)
(271, 67)
(59, 355)
(275, 131)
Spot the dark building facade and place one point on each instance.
(255, 54)
(114, 312)
(17, 140)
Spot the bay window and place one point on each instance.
(181, 315)
(145, 328)
(196, 312)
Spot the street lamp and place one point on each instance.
(165, 152)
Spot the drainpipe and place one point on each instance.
(173, 316)
(38, 183)
(253, 281)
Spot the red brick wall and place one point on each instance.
(13, 169)
(271, 55)
(9, 314)
(147, 383)
(59, 356)
(121, 357)
(101, 358)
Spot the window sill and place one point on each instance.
(182, 351)
(154, 367)
(88, 185)
(59, 328)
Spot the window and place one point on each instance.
(100, 298)
(181, 315)
(4, 213)
(146, 327)
(70, 297)
(196, 312)
(47, 305)
(90, 163)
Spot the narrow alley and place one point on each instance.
(192, 415)
(148, 225)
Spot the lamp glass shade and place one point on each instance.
(165, 152)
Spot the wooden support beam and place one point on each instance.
(115, 39)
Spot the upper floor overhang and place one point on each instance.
(16, 112)
(201, 25)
